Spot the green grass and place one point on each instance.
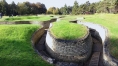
(68, 31)
(26, 18)
(69, 17)
(16, 48)
(110, 21)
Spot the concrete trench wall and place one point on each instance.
(103, 33)
(43, 23)
(47, 23)
(37, 35)
(20, 22)
(78, 50)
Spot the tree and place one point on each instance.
(22, 8)
(110, 6)
(75, 8)
(116, 6)
(4, 7)
(43, 9)
(51, 10)
(12, 8)
(92, 8)
(27, 7)
(38, 8)
(100, 7)
(69, 9)
(56, 11)
(64, 10)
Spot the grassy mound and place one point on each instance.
(16, 48)
(68, 31)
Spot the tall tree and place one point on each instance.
(43, 9)
(51, 10)
(13, 8)
(22, 8)
(110, 6)
(4, 7)
(40, 8)
(69, 9)
(75, 8)
(116, 6)
(92, 8)
(64, 10)
(28, 7)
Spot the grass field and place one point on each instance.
(25, 18)
(16, 48)
(110, 21)
(15, 43)
(68, 31)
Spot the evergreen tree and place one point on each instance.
(4, 7)
(13, 8)
(64, 10)
(75, 8)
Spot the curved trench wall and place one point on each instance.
(43, 23)
(103, 33)
(73, 21)
(21, 22)
(78, 50)
(47, 23)
(37, 35)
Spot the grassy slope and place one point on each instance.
(69, 31)
(110, 21)
(16, 48)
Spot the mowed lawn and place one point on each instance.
(16, 48)
(110, 21)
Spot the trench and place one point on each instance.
(93, 60)
(96, 58)
(100, 55)
(29, 22)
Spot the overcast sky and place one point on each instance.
(56, 3)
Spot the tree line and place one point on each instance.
(105, 6)
(27, 8)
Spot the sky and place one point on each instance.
(54, 3)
